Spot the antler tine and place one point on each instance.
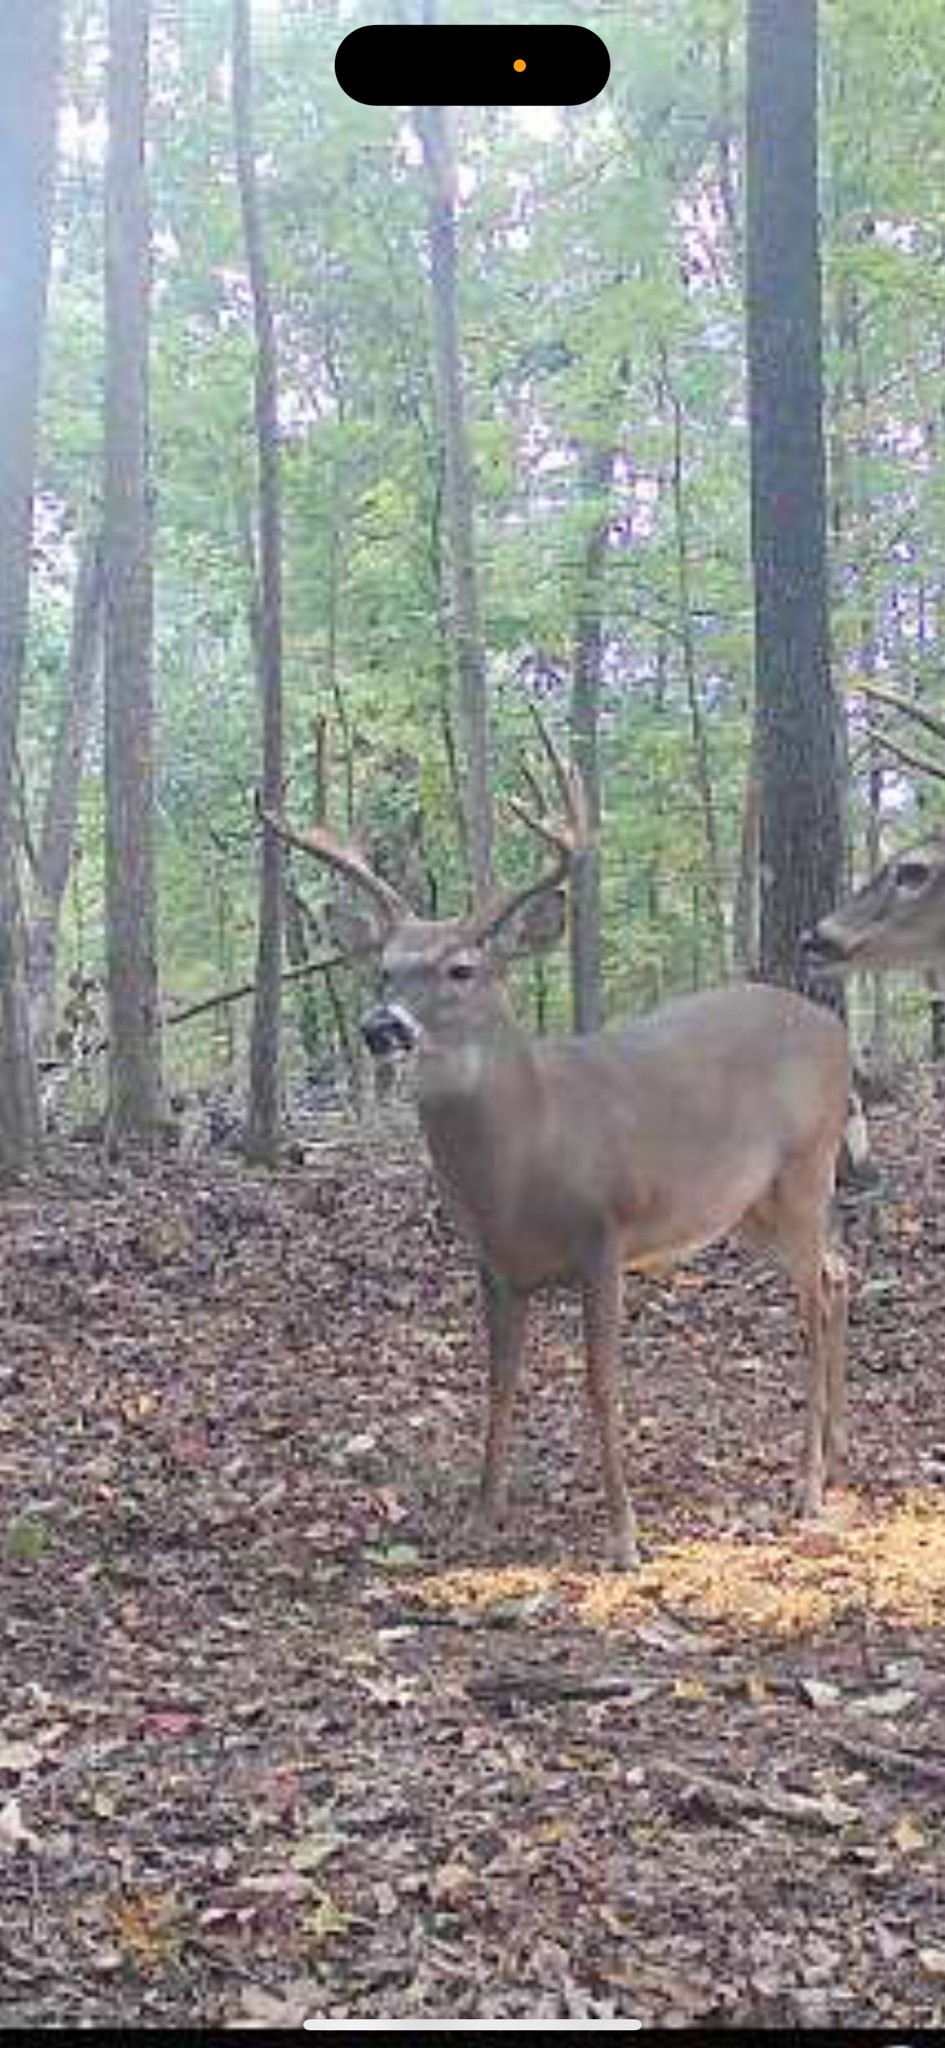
(563, 775)
(346, 860)
(566, 836)
(574, 831)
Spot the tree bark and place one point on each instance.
(61, 806)
(587, 997)
(701, 762)
(264, 1113)
(30, 49)
(433, 127)
(801, 820)
(135, 1108)
(745, 917)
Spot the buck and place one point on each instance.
(895, 920)
(573, 1159)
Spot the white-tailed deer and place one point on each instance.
(895, 920)
(569, 1160)
(898, 918)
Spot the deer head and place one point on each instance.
(895, 920)
(441, 980)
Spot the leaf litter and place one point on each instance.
(277, 1742)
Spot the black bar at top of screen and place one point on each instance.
(464, 65)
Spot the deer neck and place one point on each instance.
(470, 1096)
(464, 1078)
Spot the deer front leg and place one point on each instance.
(506, 1314)
(835, 1302)
(823, 1297)
(602, 1300)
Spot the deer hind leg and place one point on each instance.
(793, 1220)
(602, 1293)
(506, 1315)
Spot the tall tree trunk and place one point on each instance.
(801, 821)
(30, 46)
(745, 914)
(726, 149)
(135, 1093)
(61, 806)
(434, 129)
(700, 739)
(586, 970)
(880, 1037)
(852, 335)
(263, 1119)
(350, 1042)
(444, 680)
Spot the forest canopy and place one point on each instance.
(601, 302)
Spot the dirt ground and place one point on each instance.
(276, 1742)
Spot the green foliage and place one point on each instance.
(600, 277)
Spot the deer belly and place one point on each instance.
(678, 1220)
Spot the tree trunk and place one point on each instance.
(801, 820)
(350, 1042)
(135, 1106)
(745, 916)
(30, 45)
(433, 127)
(586, 970)
(700, 740)
(936, 1018)
(880, 1036)
(444, 682)
(61, 807)
(727, 147)
(851, 338)
(263, 1118)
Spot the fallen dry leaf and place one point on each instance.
(14, 1833)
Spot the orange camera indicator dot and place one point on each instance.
(519, 64)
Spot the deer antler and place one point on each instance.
(346, 860)
(567, 834)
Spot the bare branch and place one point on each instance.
(917, 712)
(920, 762)
(204, 1005)
(247, 988)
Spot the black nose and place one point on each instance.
(385, 1032)
(817, 949)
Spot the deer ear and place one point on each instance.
(354, 932)
(533, 929)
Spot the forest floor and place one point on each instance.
(276, 1743)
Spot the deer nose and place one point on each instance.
(817, 948)
(387, 1029)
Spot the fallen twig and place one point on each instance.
(735, 1801)
(560, 1685)
(899, 1763)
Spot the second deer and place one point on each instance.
(573, 1159)
(895, 920)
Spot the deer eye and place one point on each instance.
(912, 874)
(461, 970)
